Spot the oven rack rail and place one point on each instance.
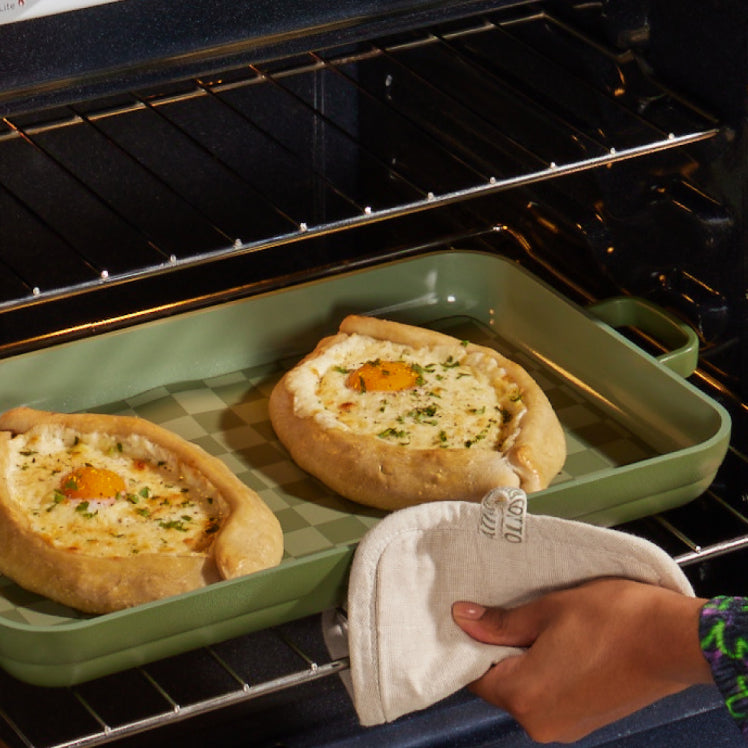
(161, 709)
(85, 723)
(106, 193)
(157, 696)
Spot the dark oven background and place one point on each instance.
(159, 156)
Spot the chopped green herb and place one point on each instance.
(82, 508)
(424, 415)
(57, 498)
(418, 369)
(174, 524)
(393, 434)
(478, 437)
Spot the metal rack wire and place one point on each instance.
(294, 660)
(254, 666)
(266, 155)
(152, 696)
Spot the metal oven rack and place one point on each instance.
(700, 536)
(165, 693)
(253, 160)
(294, 656)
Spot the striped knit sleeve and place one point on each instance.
(723, 630)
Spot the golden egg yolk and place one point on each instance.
(88, 482)
(383, 376)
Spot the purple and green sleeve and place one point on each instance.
(723, 631)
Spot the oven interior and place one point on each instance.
(572, 138)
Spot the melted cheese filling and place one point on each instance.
(458, 400)
(163, 507)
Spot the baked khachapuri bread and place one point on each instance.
(103, 512)
(391, 415)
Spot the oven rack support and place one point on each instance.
(178, 713)
(715, 550)
(173, 712)
(109, 155)
(367, 215)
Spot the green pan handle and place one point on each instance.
(633, 311)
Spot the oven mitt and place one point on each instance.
(406, 652)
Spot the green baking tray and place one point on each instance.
(640, 437)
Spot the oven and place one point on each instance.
(161, 162)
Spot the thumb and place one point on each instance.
(513, 627)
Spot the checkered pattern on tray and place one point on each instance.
(227, 416)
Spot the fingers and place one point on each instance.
(514, 684)
(518, 627)
(590, 654)
(499, 678)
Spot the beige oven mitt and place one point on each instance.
(406, 652)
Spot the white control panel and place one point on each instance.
(22, 10)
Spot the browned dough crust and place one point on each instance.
(370, 471)
(250, 538)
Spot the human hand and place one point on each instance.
(595, 653)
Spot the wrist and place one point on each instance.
(677, 641)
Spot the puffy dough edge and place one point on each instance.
(250, 539)
(372, 472)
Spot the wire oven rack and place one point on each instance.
(707, 537)
(261, 157)
(294, 655)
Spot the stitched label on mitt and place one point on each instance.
(503, 512)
